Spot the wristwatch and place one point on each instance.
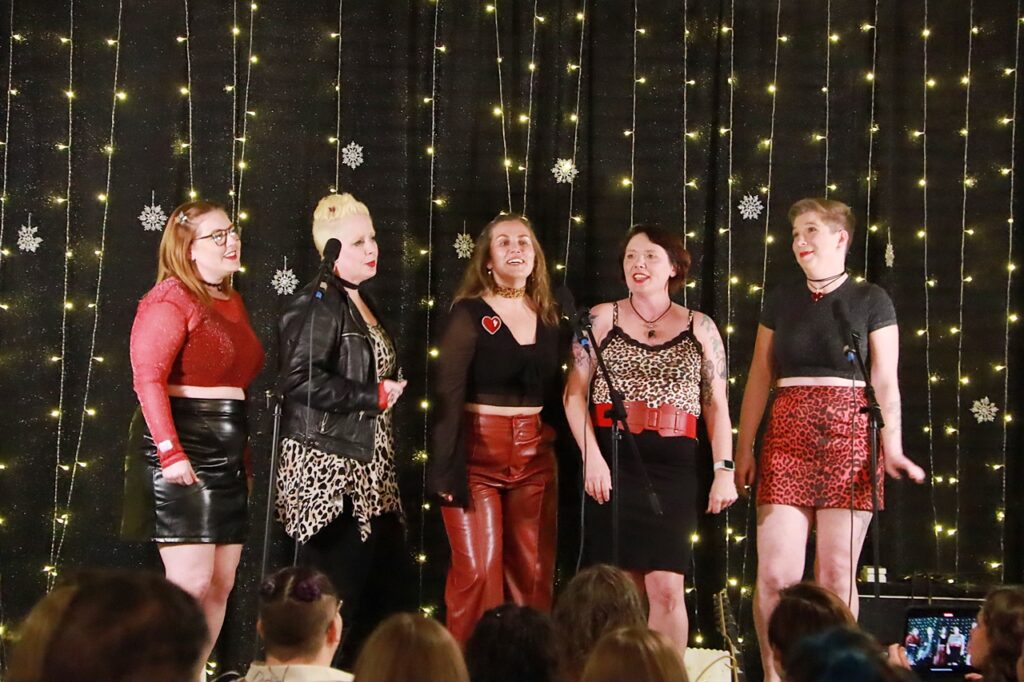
(726, 464)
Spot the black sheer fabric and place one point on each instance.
(481, 362)
(808, 340)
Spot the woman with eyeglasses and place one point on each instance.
(193, 355)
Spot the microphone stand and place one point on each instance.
(875, 425)
(583, 327)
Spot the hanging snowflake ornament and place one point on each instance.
(153, 217)
(284, 281)
(27, 239)
(463, 246)
(352, 155)
(890, 255)
(564, 170)
(750, 207)
(984, 410)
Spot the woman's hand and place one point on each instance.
(180, 473)
(598, 482)
(746, 470)
(723, 492)
(897, 466)
(394, 390)
(897, 655)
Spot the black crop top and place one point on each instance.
(808, 341)
(481, 362)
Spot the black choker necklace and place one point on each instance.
(219, 286)
(818, 291)
(650, 324)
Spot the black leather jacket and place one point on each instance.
(327, 373)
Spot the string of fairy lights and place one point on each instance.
(66, 305)
(574, 118)
(922, 135)
(686, 130)
(9, 91)
(527, 118)
(499, 111)
(1009, 316)
(830, 38)
(434, 202)
(336, 139)
(631, 133)
(967, 182)
(116, 97)
(869, 177)
(232, 89)
(187, 91)
(769, 144)
(238, 213)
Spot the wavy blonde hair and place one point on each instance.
(477, 280)
(175, 259)
(329, 213)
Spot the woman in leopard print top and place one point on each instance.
(669, 363)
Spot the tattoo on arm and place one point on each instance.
(707, 376)
(716, 352)
(893, 417)
(580, 356)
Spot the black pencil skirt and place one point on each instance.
(214, 434)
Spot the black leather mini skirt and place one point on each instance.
(214, 434)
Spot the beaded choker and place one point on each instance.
(219, 286)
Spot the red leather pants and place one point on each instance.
(503, 542)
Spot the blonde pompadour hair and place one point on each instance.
(329, 213)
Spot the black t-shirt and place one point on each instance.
(808, 341)
(481, 362)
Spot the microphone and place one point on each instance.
(332, 249)
(579, 319)
(841, 313)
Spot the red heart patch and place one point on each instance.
(492, 324)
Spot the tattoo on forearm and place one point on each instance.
(893, 417)
(580, 356)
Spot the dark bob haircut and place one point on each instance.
(673, 245)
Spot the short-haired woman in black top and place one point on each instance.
(492, 463)
(669, 363)
(815, 467)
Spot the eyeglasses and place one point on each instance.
(220, 237)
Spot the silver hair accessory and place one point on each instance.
(182, 218)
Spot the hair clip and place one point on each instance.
(306, 591)
(182, 218)
(331, 210)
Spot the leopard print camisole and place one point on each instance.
(665, 373)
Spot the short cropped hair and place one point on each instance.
(329, 212)
(835, 214)
(673, 245)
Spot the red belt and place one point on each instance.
(666, 419)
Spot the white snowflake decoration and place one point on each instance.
(153, 217)
(564, 170)
(984, 410)
(27, 239)
(750, 207)
(464, 246)
(284, 281)
(352, 155)
(890, 255)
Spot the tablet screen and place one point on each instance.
(936, 639)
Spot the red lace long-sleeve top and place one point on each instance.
(178, 340)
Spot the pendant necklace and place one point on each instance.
(818, 290)
(650, 324)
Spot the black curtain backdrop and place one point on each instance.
(697, 104)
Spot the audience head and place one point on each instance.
(805, 608)
(597, 600)
(512, 644)
(996, 643)
(842, 654)
(299, 619)
(408, 647)
(111, 626)
(636, 653)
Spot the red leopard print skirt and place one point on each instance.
(815, 450)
